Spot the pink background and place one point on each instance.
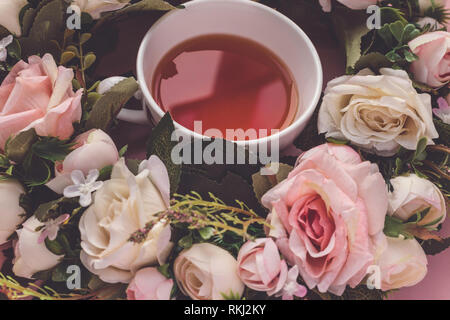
(436, 284)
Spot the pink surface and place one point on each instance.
(436, 284)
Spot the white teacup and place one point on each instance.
(244, 18)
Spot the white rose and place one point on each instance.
(413, 194)
(11, 213)
(123, 206)
(30, 255)
(379, 113)
(9, 15)
(96, 7)
(205, 272)
(402, 264)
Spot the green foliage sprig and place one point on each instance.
(212, 217)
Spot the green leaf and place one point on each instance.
(337, 141)
(59, 273)
(409, 56)
(66, 57)
(444, 131)
(161, 145)
(350, 26)
(14, 50)
(396, 29)
(123, 150)
(420, 154)
(54, 246)
(394, 227)
(48, 25)
(262, 184)
(109, 105)
(52, 149)
(393, 56)
(85, 38)
(89, 60)
(206, 233)
(186, 241)
(374, 61)
(105, 173)
(17, 148)
(164, 270)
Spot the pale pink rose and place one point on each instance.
(260, 266)
(433, 65)
(402, 264)
(38, 95)
(94, 149)
(207, 272)
(332, 207)
(352, 4)
(149, 284)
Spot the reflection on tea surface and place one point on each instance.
(227, 82)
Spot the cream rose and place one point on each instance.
(379, 113)
(11, 213)
(413, 194)
(207, 272)
(97, 7)
(32, 256)
(116, 237)
(402, 264)
(9, 17)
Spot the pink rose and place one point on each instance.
(433, 65)
(352, 4)
(260, 266)
(38, 95)
(332, 207)
(94, 149)
(149, 284)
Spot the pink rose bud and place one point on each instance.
(38, 95)
(94, 149)
(149, 284)
(260, 266)
(433, 65)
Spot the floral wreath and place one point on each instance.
(352, 216)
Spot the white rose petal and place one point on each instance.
(124, 205)
(403, 264)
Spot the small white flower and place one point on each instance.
(292, 288)
(3, 44)
(443, 112)
(83, 187)
(51, 228)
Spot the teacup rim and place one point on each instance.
(307, 113)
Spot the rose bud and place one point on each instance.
(94, 149)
